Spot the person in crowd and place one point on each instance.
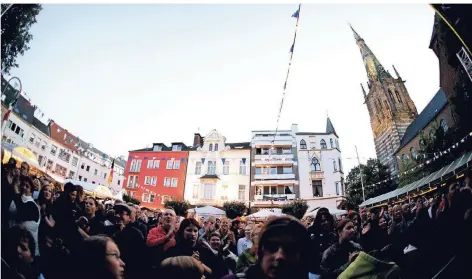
(80, 199)
(100, 258)
(217, 223)
(209, 227)
(18, 255)
(130, 241)
(27, 211)
(47, 223)
(356, 220)
(383, 224)
(228, 240)
(398, 229)
(109, 218)
(162, 237)
(364, 217)
(283, 251)
(245, 242)
(10, 188)
(341, 254)
(322, 236)
(135, 222)
(96, 226)
(235, 226)
(24, 169)
(182, 267)
(219, 264)
(406, 211)
(373, 238)
(187, 244)
(248, 256)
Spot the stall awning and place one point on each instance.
(438, 175)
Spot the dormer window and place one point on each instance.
(157, 147)
(176, 147)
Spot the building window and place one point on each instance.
(85, 179)
(64, 156)
(75, 160)
(152, 197)
(87, 168)
(49, 165)
(338, 189)
(323, 144)
(31, 140)
(195, 191)
(80, 177)
(391, 95)
(145, 197)
(60, 170)
(43, 146)
(208, 194)
(176, 147)
(132, 181)
(413, 153)
(317, 186)
(398, 96)
(135, 166)
(37, 143)
(175, 182)
(331, 142)
(315, 164)
(157, 147)
(226, 168)
(164, 199)
(303, 144)
(198, 167)
(167, 182)
(71, 174)
(444, 125)
(169, 164)
(118, 182)
(339, 164)
(147, 180)
(242, 192)
(210, 147)
(132, 194)
(95, 172)
(211, 167)
(334, 166)
(242, 168)
(176, 164)
(150, 164)
(53, 150)
(216, 147)
(154, 181)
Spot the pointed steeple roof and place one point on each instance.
(330, 127)
(375, 70)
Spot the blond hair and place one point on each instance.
(182, 267)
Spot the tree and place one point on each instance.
(296, 208)
(16, 23)
(234, 209)
(180, 206)
(373, 172)
(127, 199)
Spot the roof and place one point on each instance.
(309, 133)
(330, 127)
(41, 126)
(24, 109)
(434, 34)
(444, 171)
(239, 145)
(432, 109)
(210, 176)
(62, 136)
(164, 148)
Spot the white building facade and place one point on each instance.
(274, 167)
(217, 171)
(320, 168)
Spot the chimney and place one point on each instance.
(197, 140)
(294, 128)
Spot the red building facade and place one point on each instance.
(156, 174)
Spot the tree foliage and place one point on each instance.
(127, 199)
(296, 208)
(372, 172)
(16, 24)
(180, 206)
(234, 209)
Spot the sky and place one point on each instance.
(125, 76)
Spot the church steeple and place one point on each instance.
(330, 127)
(375, 70)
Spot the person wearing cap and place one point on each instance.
(130, 241)
(283, 251)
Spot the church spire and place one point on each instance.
(375, 70)
(330, 127)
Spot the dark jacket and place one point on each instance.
(319, 242)
(336, 258)
(141, 227)
(375, 238)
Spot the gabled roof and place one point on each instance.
(432, 109)
(330, 127)
(62, 136)
(164, 147)
(41, 126)
(24, 109)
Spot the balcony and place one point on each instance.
(274, 182)
(274, 196)
(316, 175)
(274, 176)
(274, 157)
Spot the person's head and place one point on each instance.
(215, 240)
(406, 209)
(354, 217)
(24, 169)
(169, 218)
(122, 214)
(255, 233)
(70, 192)
(91, 206)
(235, 224)
(188, 231)
(211, 223)
(363, 213)
(16, 173)
(283, 247)
(20, 247)
(217, 221)
(346, 230)
(224, 224)
(138, 210)
(36, 184)
(397, 212)
(80, 194)
(383, 223)
(46, 195)
(26, 186)
(132, 216)
(100, 258)
(390, 209)
(324, 221)
(247, 231)
(181, 267)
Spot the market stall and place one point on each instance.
(94, 189)
(265, 213)
(21, 154)
(207, 211)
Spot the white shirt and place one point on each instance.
(243, 244)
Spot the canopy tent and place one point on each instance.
(206, 211)
(265, 213)
(333, 211)
(96, 189)
(438, 176)
(21, 154)
(119, 195)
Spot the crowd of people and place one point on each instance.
(71, 235)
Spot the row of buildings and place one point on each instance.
(60, 153)
(266, 171)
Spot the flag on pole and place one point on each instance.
(297, 13)
(110, 177)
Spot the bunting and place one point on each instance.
(203, 161)
(223, 160)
